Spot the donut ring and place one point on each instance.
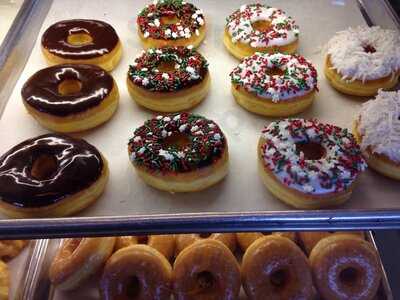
(206, 270)
(185, 240)
(82, 41)
(11, 248)
(308, 164)
(136, 272)
(179, 152)
(245, 239)
(258, 28)
(51, 175)
(275, 266)
(168, 23)
(165, 244)
(345, 267)
(274, 85)
(70, 98)
(77, 259)
(182, 83)
(360, 61)
(4, 281)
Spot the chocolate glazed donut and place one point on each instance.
(50, 175)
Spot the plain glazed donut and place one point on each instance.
(206, 270)
(275, 267)
(70, 98)
(4, 281)
(52, 175)
(77, 259)
(165, 244)
(81, 41)
(185, 240)
(245, 239)
(345, 267)
(136, 272)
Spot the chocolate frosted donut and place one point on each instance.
(51, 174)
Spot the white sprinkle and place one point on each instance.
(177, 117)
(183, 127)
(181, 154)
(194, 128)
(164, 133)
(157, 22)
(141, 150)
(137, 139)
(165, 76)
(146, 34)
(144, 69)
(217, 137)
(211, 125)
(166, 155)
(308, 188)
(174, 35)
(167, 119)
(145, 81)
(159, 117)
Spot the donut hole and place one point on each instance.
(133, 287)
(349, 276)
(177, 141)
(369, 49)
(166, 66)
(79, 39)
(279, 278)
(69, 87)
(170, 19)
(205, 235)
(261, 25)
(205, 280)
(275, 71)
(143, 239)
(43, 167)
(311, 150)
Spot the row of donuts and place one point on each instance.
(198, 266)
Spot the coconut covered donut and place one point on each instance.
(168, 23)
(360, 61)
(259, 28)
(179, 152)
(169, 79)
(377, 129)
(274, 84)
(308, 164)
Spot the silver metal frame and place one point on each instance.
(14, 53)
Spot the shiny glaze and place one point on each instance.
(41, 89)
(105, 39)
(79, 164)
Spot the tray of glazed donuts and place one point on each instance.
(169, 107)
(281, 265)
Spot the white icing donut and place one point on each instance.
(365, 53)
(282, 30)
(379, 125)
(333, 172)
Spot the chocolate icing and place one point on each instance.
(79, 165)
(105, 39)
(41, 90)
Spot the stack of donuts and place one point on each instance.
(281, 265)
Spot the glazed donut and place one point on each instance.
(51, 175)
(360, 61)
(167, 23)
(259, 28)
(11, 248)
(4, 281)
(377, 130)
(136, 272)
(70, 98)
(275, 266)
(310, 238)
(169, 79)
(275, 85)
(81, 41)
(345, 267)
(308, 164)
(245, 239)
(77, 259)
(185, 240)
(206, 270)
(179, 152)
(165, 244)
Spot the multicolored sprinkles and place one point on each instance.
(190, 20)
(148, 147)
(190, 68)
(334, 172)
(298, 77)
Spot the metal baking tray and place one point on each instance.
(241, 201)
(41, 287)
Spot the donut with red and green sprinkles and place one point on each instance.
(152, 146)
(331, 164)
(190, 68)
(277, 76)
(189, 20)
(281, 31)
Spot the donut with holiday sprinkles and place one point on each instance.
(276, 85)
(259, 28)
(169, 79)
(179, 152)
(167, 23)
(308, 164)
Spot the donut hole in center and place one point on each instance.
(349, 276)
(43, 167)
(205, 280)
(69, 87)
(275, 71)
(369, 49)
(170, 19)
(311, 150)
(79, 39)
(133, 287)
(143, 239)
(166, 66)
(177, 141)
(279, 278)
(261, 25)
